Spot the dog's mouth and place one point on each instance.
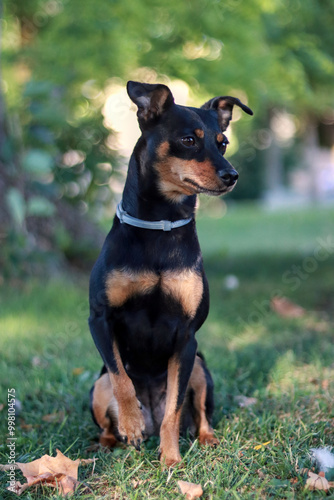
(211, 192)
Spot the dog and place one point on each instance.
(148, 291)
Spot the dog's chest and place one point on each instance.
(183, 286)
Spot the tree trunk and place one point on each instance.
(274, 168)
(311, 159)
(273, 171)
(2, 100)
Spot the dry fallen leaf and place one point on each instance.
(285, 308)
(317, 325)
(325, 384)
(58, 472)
(78, 371)
(54, 418)
(244, 401)
(303, 471)
(138, 482)
(26, 427)
(190, 490)
(36, 361)
(317, 482)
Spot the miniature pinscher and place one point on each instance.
(148, 291)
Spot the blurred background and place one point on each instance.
(67, 126)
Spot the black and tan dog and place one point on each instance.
(148, 291)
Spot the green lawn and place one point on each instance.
(287, 364)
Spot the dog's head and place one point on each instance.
(185, 145)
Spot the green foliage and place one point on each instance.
(40, 207)
(37, 162)
(16, 205)
(277, 52)
(21, 255)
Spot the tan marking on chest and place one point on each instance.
(122, 284)
(186, 287)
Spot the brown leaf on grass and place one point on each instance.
(261, 474)
(138, 482)
(317, 482)
(26, 427)
(325, 384)
(287, 309)
(36, 361)
(54, 418)
(78, 370)
(244, 401)
(190, 490)
(320, 326)
(58, 472)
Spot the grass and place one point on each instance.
(287, 364)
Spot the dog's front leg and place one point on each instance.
(125, 405)
(180, 367)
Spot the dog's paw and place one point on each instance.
(208, 439)
(169, 460)
(131, 424)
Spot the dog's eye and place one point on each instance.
(223, 146)
(188, 141)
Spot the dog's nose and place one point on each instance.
(228, 177)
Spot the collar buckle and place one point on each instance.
(167, 225)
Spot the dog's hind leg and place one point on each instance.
(201, 385)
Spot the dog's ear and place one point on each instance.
(224, 106)
(152, 100)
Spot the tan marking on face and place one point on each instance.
(170, 427)
(163, 149)
(186, 287)
(122, 284)
(167, 179)
(220, 138)
(199, 133)
(173, 172)
(197, 383)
